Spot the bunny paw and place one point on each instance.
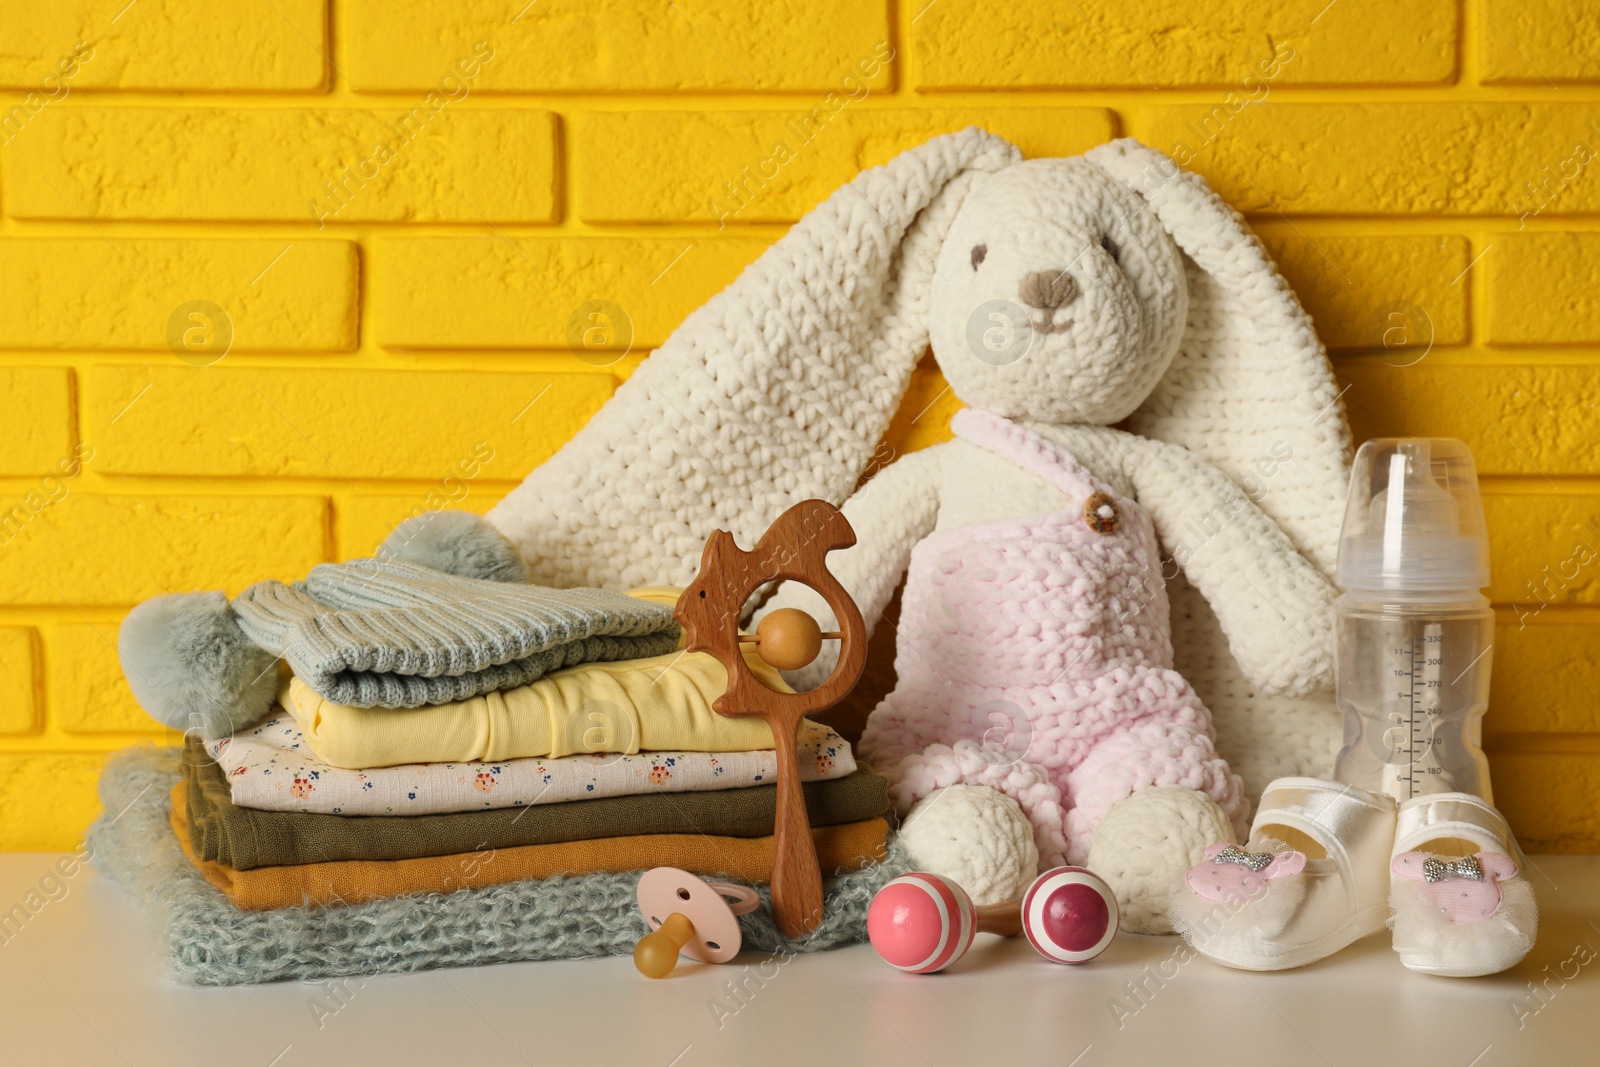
(1145, 843)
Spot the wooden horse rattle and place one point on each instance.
(922, 923)
(794, 548)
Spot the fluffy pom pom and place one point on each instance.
(457, 542)
(978, 838)
(1429, 942)
(191, 666)
(1145, 844)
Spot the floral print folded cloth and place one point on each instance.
(270, 767)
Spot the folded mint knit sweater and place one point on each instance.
(383, 633)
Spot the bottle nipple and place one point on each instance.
(1414, 522)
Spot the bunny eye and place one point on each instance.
(978, 254)
(1111, 249)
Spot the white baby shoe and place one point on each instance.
(1462, 904)
(1311, 880)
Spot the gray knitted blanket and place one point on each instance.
(205, 940)
(384, 633)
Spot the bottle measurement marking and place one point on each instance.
(1424, 659)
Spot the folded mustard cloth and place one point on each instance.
(662, 703)
(244, 838)
(847, 847)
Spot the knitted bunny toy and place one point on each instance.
(1064, 301)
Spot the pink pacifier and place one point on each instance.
(688, 916)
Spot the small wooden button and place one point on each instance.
(1101, 513)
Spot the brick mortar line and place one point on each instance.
(1575, 354)
(1569, 613)
(1479, 354)
(1469, 46)
(903, 97)
(103, 745)
(1530, 743)
(1268, 223)
(449, 360)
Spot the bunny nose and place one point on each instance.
(1048, 289)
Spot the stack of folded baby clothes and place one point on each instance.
(436, 733)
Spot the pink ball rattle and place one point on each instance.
(1070, 915)
(922, 923)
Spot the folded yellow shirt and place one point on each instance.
(662, 703)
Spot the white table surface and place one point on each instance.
(79, 985)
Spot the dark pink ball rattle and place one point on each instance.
(922, 923)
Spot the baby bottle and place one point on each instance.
(1413, 629)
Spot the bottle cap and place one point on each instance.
(1414, 521)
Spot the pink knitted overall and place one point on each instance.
(1035, 656)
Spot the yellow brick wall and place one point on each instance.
(390, 210)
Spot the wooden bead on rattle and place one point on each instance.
(789, 639)
(922, 923)
(690, 916)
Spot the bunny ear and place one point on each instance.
(778, 389)
(1251, 389)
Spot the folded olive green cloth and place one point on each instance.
(243, 838)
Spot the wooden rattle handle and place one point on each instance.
(796, 875)
(1003, 919)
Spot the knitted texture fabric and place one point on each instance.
(1057, 623)
(1250, 390)
(382, 633)
(993, 867)
(205, 940)
(778, 389)
(1262, 735)
(1140, 835)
